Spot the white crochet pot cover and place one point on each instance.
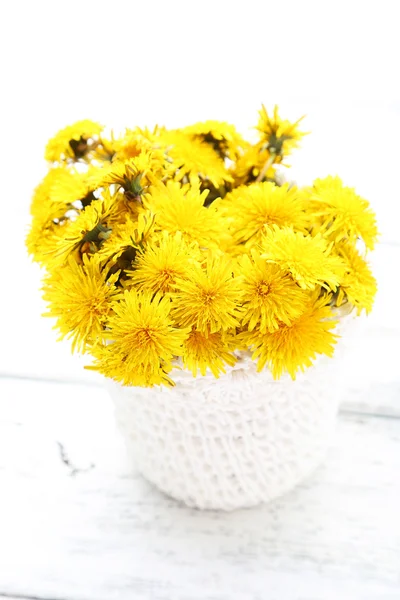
(231, 442)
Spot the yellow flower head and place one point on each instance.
(181, 209)
(294, 347)
(157, 268)
(212, 351)
(279, 135)
(43, 200)
(222, 137)
(137, 141)
(122, 247)
(104, 149)
(142, 340)
(251, 164)
(43, 235)
(194, 158)
(72, 188)
(178, 248)
(49, 215)
(80, 298)
(136, 232)
(358, 284)
(131, 175)
(73, 142)
(250, 209)
(341, 213)
(270, 296)
(306, 258)
(89, 230)
(209, 298)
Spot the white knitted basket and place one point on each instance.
(231, 442)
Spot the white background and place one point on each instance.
(128, 63)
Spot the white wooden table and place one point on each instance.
(76, 524)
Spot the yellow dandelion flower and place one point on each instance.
(104, 150)
(160, 265)
(80, 298)
(194, 158)
(308, 259)
(178, 248)
(135, 141)
(113, 366)
(142, 340)
(279, 135)
(43, 199)
(250, 165)
(121, 249)
(71, 187)
(358, 283)
(212, 351)
(57, 201)
(131, 175)
(221, 136)
(132, 233)
(270, 296)
(73, 142)
(43, 235)
(209, 298)
(250, 209)
(49, 214)
(180, 209)
(294, 347)
(342, 213)
(89, 230)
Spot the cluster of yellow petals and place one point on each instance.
(178, 249)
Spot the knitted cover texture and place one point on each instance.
(232, 442)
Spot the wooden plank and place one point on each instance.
(76, 523)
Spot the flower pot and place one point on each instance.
(232, 442)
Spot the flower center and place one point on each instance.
(263, 288)
(208, 298)
(145, 337)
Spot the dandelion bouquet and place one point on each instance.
(179, 249)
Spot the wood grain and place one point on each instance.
(76, 523)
